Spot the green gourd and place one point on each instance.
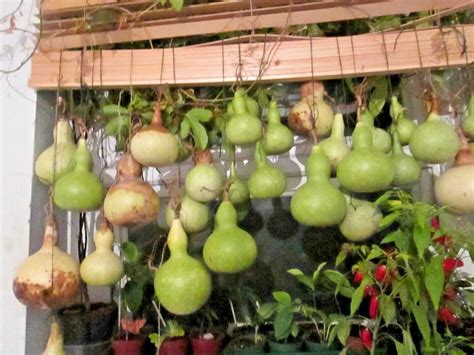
(79, 189)
(467, 123)
(238, 191)
(401, 124)
(194, 215)
(242, 128)
(365, 169)
(434, 141)
(318, 203)
(278, 138)
(381, 138)
(407, 169)
(335, 147)
(251, 106)
(229, 249)
(102, 267)
(266, 181)
(362, 220)
(182, 283)
(204, 182)
(54, 161)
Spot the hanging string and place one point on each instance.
(418, 47)
(174, 65)
(353, 55)
(341, 69)
(390, 89)
(313, 104)
(445, 46)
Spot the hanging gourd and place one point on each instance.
(238, 191)
(79, 189)
(266, 181)
(48, 278)
(131, 200)
(434, 141)
(401, 124)
(194, 215)
(251, 106)
(102, 267)
(154, 145)
(318, 203)
(243, 128)
(54, 161)
(467, 123)
(311, 113)
(407, 168)
(455, 187)
(229, 249)
(361, 221)
(335, 147)
(278, 138)
(182, 283)
(365, 169)
(203, 182)
(55, 345)
(381, 138)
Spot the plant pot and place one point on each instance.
(88, 327)
(203, 346)
(245, 344)
(319, 348)
(128, 347)
(175, 346)
(103, 348)
(285, 347)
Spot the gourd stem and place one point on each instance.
(260, 156)
(273, 113)
(156, 121)
(362, 136)
(396, 146)
(63, 132)
(50, 236)
(337, 130)
(82, 157)
(177, 239)
(238, 103)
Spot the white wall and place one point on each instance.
(17, 107)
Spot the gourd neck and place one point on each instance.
(156, 121)
(104, 238)
(368, 119)
(226, 215)
(82, 157)
(233, 172)
(63, 132)
(202, 157)
(128, 167)
(259, 155)
(337, 129)
(318, 167)
(50, 236)
(177, 239)
(362, 136)
(273, 114)
(434, 116)
(471, 107)
(238, 103)
(396, 146)
(396, 109)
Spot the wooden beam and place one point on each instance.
(243, 20)
(360, 55)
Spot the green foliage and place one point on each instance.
(193, 124)
(172, 329)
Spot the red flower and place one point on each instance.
(444, 240)
(450, 264)
(366, 338)
(446, 315)
(374, 307)
(449, 294)
(358, 277)
(380, 273)
(435, 223)
(371, 291)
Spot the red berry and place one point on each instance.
(358, 277)
(435, 223)
(446, 315)
(450, 264)
(449, 294)
(374, 307)
(444, 240)
(366, 338)
(380, 273)
(371, 291)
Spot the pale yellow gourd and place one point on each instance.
(55, 345)
(102, 267)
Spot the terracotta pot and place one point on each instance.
(128, 347)
(174, 346)
(203, 346)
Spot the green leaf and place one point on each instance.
(184, 128)
(199, 134)
(295, 272)
(387, 307)
(389, 219)
(422, 237)
(318, 271)
(199, 114)
(401, 348)
(156, 339)
(392, 237)
(379, 95)
(421, 319)
(347, 292)
(130, 252)
(343, 331)
(341, 257)
(266, 310)
(358, 296)
(282, 324)
(402, 292)
(177, 5)
(434, 279)
(376, 252)
(282, 297)
(334, 276)
(408, 342)
(133, 296)
(113, 110)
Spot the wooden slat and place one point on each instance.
(243, 21)
(287, 61)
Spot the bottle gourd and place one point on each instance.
(278, 138)
(243, 128)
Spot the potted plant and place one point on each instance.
(284, 338)
(171, 340)
(206, 340)
(131, 343)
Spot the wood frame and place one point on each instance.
(63, 21)
(298, 59)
